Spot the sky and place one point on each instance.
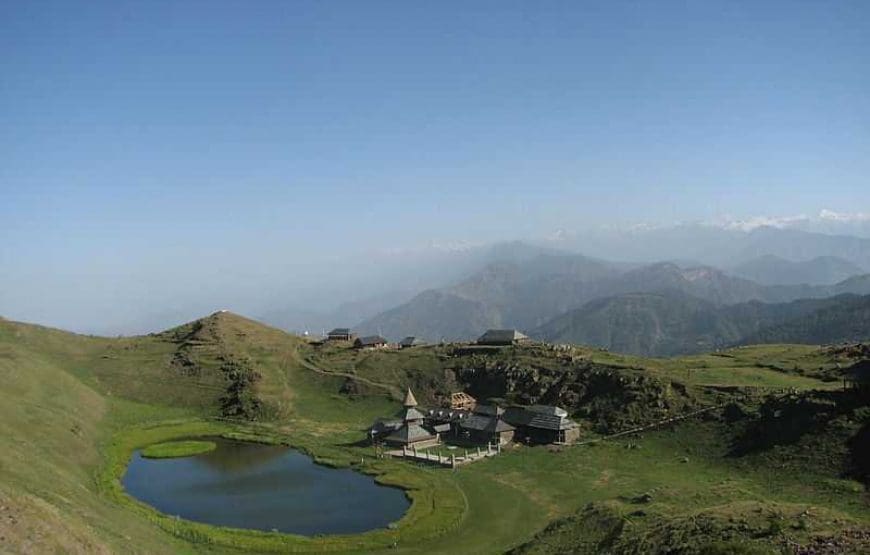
(158, 152)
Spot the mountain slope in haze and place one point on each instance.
(394, 278)
(774, 270)
(672, 323)
(722, 247)
(667, 323)
(446, 316)
(529, 294)
(793, 244)
(847, 320)
(512, 294)
(299, 320)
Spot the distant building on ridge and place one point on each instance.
(502, 337)
(340, 334)
(370, 342)
(411, 341)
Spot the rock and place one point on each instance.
(643, 498)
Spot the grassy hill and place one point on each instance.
(73, 407)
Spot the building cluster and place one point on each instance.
(492, 337)
(371, 341)
(465, 422)
(482, 425)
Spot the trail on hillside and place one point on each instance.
(392, 390)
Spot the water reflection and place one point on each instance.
(264, 487)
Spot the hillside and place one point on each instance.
(66, 396)
(774, 270)
(506, 293)
(846, 321)
(381, 281)
(672, 323)
(73, 407)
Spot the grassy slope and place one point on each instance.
(65, 397)
(51, 427)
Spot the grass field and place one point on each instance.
(73, 408)
(174, 449)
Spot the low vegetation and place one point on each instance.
(174, 449)
(779, 461)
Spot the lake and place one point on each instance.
(264, 487)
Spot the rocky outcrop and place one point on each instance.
(612, 398)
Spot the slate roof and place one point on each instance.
(540, 416)
(482, 423)
(547, 422)
(340, 331)
(501, 336)
(384, 426)
(411, 413)
(488, 410)
(410, 433)
(411, 341)
(370, 341)
(548, 410)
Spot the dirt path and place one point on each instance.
(392, 390)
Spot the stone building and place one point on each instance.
(542, 424)
(485, 425)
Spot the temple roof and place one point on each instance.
(410, 433)
(411, 414)
(410, 401)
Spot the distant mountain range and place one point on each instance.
(721, 286)
(775, 270)
(714, 246)
(527, 295)
(671, 323)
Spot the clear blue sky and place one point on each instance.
(151, 138)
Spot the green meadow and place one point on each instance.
(73, 409)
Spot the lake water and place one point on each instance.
(264, 487)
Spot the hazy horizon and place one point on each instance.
(163, 160)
